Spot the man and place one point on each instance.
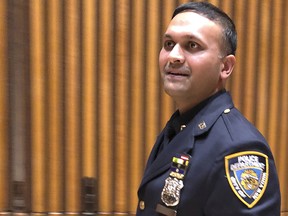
(208, 160)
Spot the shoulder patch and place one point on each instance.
(247, 173)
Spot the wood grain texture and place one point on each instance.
(95, 98)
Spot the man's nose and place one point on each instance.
(176, 55)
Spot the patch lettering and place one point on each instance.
(247, 174)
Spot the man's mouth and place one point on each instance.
(171, 73)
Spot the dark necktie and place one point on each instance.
(169, 133)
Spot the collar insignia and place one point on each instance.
(247, 174)
(202, 125)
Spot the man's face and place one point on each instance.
(190, 60)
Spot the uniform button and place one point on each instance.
(227, 111)
(142, 205)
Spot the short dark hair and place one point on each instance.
(214, 14)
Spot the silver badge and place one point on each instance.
(171, 192)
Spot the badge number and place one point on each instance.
(247, 174)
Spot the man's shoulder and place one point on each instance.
(239, 126)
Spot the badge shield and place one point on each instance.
(171, 191)
(174, 182)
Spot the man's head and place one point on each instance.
(214, 14)
(194, 63)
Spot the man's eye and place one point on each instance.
(192, 45)
(168, 45)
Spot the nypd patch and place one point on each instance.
(247, 174)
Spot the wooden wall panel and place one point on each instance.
(4, 153)
(121, 81)
(273, 116)
(89, 130)
(263, 59)
(89, 118)
(72, 105)
(94, 103)
(55, 98)
(105, 124)
(38, 108)
(151, 78)
(247, 52)
(136, 91)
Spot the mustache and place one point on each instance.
(179, 67)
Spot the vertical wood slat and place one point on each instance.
(55, 179)
(275, 60)
(4, 159)
(105, 123)
(136, 136)
(152, 76)
(89, 104)
(263, 59)
(121, 105)
(72, 109)
(89, 153)
(38, 178)
(249, 56)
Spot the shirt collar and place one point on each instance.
(178, 121)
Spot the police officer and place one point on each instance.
(208, 160)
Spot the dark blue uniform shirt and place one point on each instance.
(231, 170)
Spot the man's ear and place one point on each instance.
(228, 66)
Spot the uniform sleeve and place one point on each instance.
(244, 182)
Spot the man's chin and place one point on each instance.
(174, 92)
